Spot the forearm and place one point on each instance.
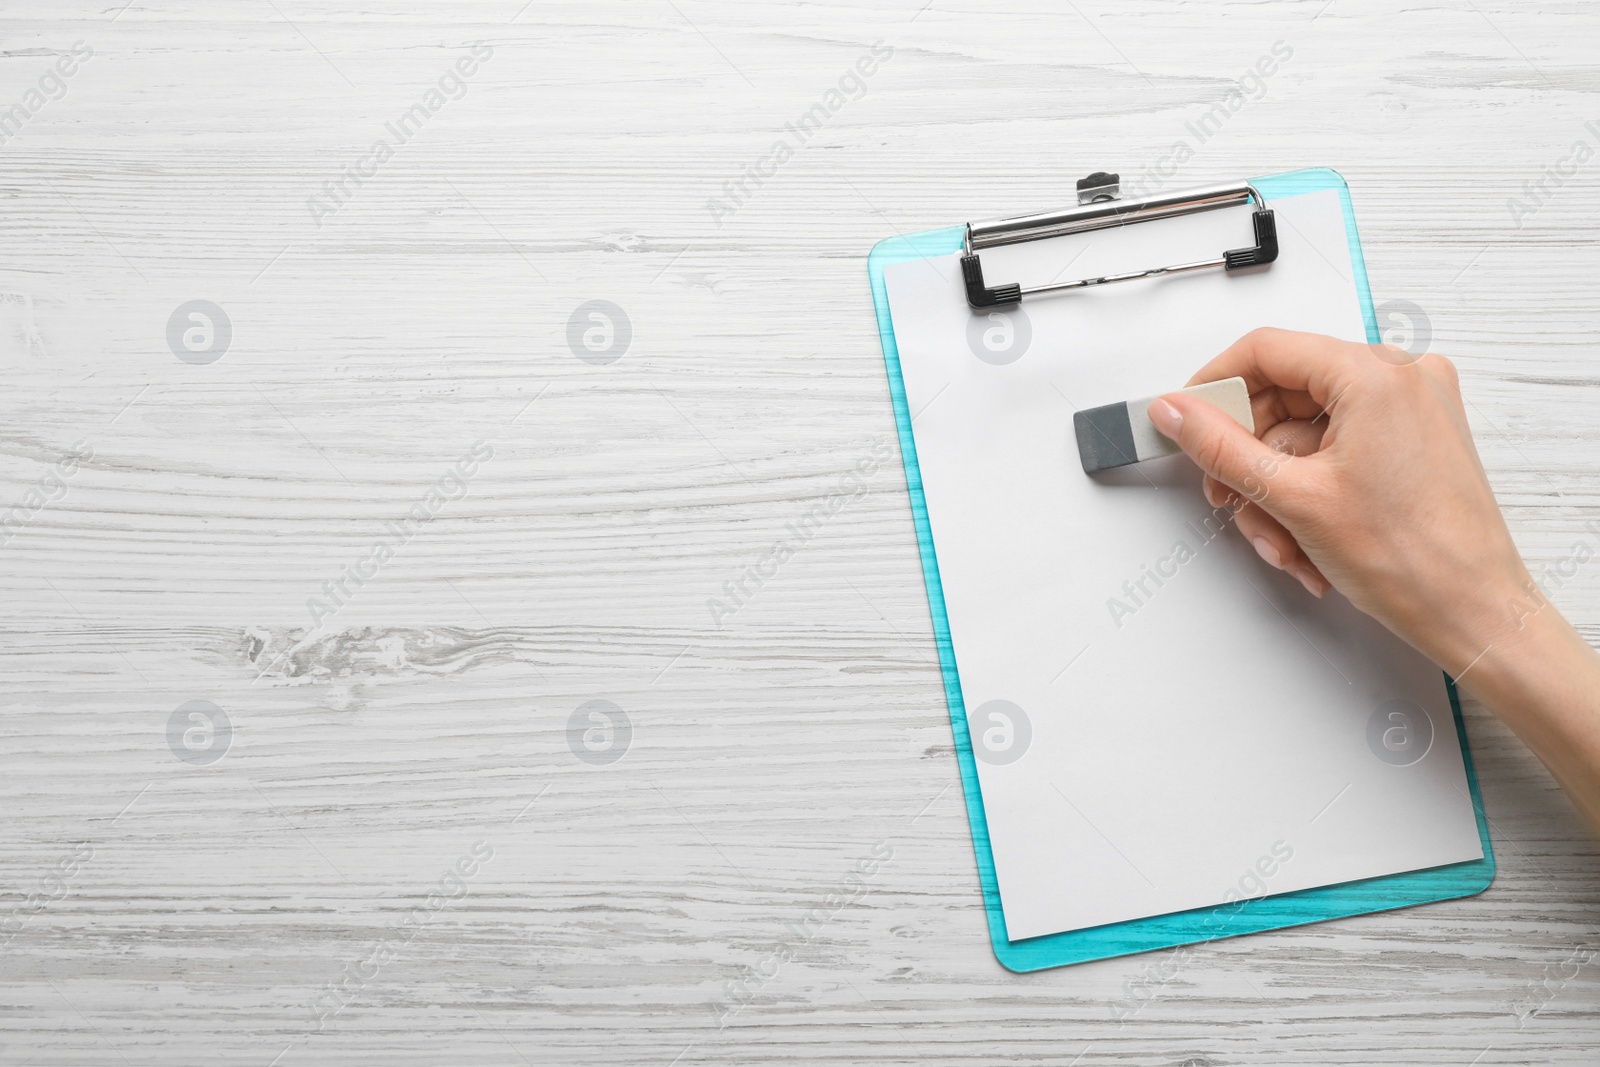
(1543, 681)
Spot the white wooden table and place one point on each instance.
(280, 890)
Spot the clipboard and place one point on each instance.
(1099, 207)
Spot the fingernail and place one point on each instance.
(1312, 583)
(1265, 550)
(1207, 486)
(1166, 418)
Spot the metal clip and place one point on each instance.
(1098, 208)
(1099, 187)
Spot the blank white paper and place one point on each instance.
(1178, 747)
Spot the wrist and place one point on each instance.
(1544, 683)
(1540, 654)
(1487, 617)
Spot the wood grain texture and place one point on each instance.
(167, 913)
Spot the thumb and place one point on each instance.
(1220, 446)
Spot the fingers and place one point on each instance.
(1274, 405)
(1298, 362)
(1272, 541)
(1295, 437)
(1278, 548)
(1223, 449)
(1219, 495)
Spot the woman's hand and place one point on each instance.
(1362, 474)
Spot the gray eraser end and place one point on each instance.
(1119, 434)
(1105, 437)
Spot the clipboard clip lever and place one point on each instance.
(1100, 207)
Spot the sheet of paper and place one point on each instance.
(1161, 721)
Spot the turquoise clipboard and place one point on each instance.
(1247, 916)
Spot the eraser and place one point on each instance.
(1119, 434)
